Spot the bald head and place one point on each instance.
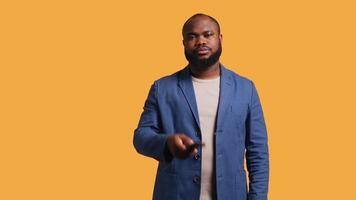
(199, 16)
(202, 42)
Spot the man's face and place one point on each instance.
(202, 42)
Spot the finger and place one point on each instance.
(179, 144)
(193, 152)
(187, 141)
(192, 147)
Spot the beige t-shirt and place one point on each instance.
(207, 98)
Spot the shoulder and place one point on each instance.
(237, 78)
(242, 86)
(172, 78)
(167, 81)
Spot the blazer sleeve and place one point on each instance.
(257, 153)
(148, 139)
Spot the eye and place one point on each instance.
(208, 34)
(191, 37)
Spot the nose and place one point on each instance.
(200, 41)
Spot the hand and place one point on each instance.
(181, 146)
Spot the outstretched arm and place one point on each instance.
(148, 140)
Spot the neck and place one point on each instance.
(210, 72)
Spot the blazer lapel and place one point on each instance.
(185, 83)
(225, 98)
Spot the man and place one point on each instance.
(201, 122)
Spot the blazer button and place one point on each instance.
(197, 156)
(197, 133)
(196, 179)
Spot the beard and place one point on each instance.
(194, 60)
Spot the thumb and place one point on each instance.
(186, 140)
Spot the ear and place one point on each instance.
(221, 37)
(183, 42)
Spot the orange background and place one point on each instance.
(74, 76)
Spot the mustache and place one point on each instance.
(201, 48)
(194, 60)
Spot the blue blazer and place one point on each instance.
(240, 133)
